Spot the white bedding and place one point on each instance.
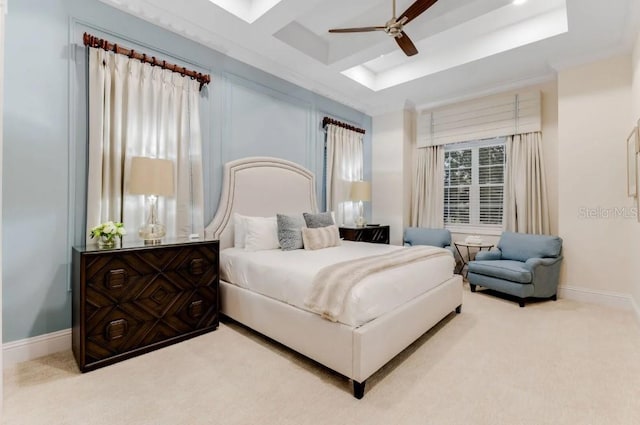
(287, 276)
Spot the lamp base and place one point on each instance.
(152, 234)
(360, 222)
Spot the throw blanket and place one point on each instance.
(332, 284)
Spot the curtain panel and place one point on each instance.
(136, 109)
(427, 200)
(345, 163)
(526, 207)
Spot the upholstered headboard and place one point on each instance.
(261, 187)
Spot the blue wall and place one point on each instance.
(244, 111)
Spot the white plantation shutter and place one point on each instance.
(491, 164)
(474, 183)
(458, 179)
(496, 116)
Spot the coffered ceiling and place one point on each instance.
(466, 47)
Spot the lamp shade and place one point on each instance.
(151, 176)
(360, 191)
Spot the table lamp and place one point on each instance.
(360, 192)
(152, 177)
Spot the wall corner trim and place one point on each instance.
(31, 348)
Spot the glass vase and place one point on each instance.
(107, 242)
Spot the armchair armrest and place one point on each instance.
(546, 275)
(533, 263)
(494, 254)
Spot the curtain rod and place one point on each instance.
(327, 120)
(93, 41)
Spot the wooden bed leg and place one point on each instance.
(459, 309)
(472, 287)
(358, 389)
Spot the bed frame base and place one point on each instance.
(353, 352)
(358, 389)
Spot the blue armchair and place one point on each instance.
(426, 236)
(523, 266)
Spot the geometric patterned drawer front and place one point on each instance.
(373, 234)
(127, 302)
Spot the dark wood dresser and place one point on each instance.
(374, 234)
(134, 299)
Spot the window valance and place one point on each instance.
(502, 115)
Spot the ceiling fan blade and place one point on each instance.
(362, 29)
(406, 45)
(415, 10)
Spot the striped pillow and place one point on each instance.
(320, 237)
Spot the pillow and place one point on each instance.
(320, 237)
(260, 233)
(238, 230)
(290, 231)
(318, 220)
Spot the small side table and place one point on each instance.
(468, 246)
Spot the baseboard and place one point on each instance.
(596, 296)
(31, 348)
(636, 308)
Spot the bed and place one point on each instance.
(355, 346)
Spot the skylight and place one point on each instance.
(247, 10)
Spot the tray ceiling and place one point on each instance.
(466, 47)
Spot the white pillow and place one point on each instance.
(238, 230)
(261, 233)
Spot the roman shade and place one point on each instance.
(502, 115)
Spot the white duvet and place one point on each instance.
(288, 275)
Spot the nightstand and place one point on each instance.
(373, 234)
(137, 298)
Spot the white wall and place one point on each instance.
(391, 140)
(635, 119)
(594, 121)
(3, 8)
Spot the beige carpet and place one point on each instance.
(550, 363)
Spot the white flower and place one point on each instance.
(109, 228)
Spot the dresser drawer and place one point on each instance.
(120, 329)
(127, 302)
(119, 277)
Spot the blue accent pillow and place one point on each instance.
(290, 231)
(314, 221)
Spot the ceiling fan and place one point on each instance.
(395, 26)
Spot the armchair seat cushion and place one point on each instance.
(514, 271)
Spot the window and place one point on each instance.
(474, 183)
